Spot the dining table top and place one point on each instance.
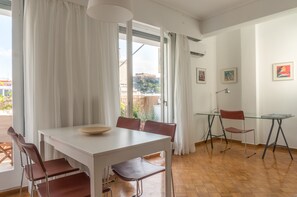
(112, 140)
(108, 148)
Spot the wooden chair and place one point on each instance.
(236, 116)
(139, 168)
(53, 167)
(6, 150)
(128, 123)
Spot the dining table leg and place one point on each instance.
(168, 177)
(96, 174)
(41, 146)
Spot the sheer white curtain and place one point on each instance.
(182, 94)
(71, 67)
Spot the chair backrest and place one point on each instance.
(14, 137)
(235, 115)
(128, 123)
(32, 154)
(160, 128)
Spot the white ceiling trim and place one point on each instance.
(252, 13)
(170, 6)
(204, 9)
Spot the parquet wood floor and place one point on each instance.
(209, 173)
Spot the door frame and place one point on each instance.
(129, 41)
(8, 179)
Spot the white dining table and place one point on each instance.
(98, 151)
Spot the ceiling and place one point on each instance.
(217, 15)
(204, 9)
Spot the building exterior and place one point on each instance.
(5, 87)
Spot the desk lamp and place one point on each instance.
(227, 91)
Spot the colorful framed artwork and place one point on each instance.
(200, 75)
(229, 75)
(283, 71)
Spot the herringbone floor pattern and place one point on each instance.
(210, 173)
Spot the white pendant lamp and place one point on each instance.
(117, 11)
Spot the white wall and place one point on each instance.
(250, 79)
(276, 42)
(229, 56)
(253, 49)
(204, 94)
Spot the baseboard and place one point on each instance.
(281, 147)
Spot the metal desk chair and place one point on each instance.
(237, 116)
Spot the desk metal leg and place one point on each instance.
(210, 122)
(223, 129)
(279, 121)
(209, 134)
(280, 128)
(277, 134)
(267, 142)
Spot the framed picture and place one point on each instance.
(282, 71)
(229, 75)
(200, 75)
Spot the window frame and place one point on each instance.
(130, 31)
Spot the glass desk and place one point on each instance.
(273, 117)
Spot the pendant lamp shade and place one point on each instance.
(117, 11)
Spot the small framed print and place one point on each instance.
(200, 75)
(229, 75)
(282, 71)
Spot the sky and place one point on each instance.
(5, 47)
(146, 60)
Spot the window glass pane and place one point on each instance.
(146, 82)
(5, 92)
(146, 72)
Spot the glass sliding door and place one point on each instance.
(6, 152)
(146, 73)
(11, 21)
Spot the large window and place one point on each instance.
(146, 73)
(5, 85)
